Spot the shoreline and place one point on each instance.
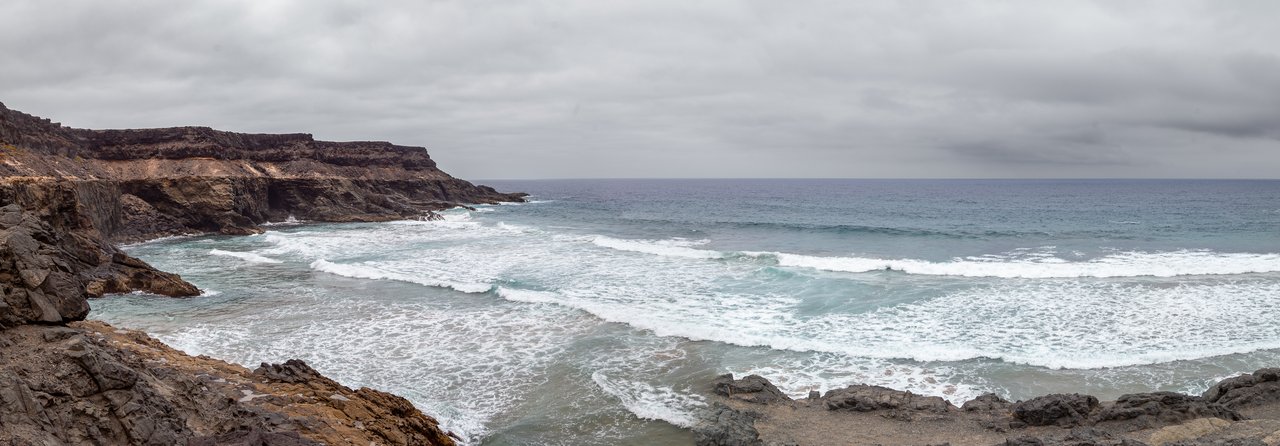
(1242, 410)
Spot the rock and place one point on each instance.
(1163, 408)
(138, 184)
(292, 371)
(1080, 436)
(253, 437)
(1262, 386)
(753, 388)
(1060, 409)
(91, 384)
(1218, 432)
(987, 402)
(46, 272)
(725, 426)
(1189, 430)
(894, 403)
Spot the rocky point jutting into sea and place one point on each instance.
(67, 196)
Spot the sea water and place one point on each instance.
(598, 312)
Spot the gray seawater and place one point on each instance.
(597, 313)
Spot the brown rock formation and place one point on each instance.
(90, 383)
(140, 184)
(66, 195)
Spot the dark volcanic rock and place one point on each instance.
(1262, 386)
(1163, 408)
(724, 426)
(1060, 409)
(753, 388)
(894, 403)
(987, 402)
(292, 371)
(46, 273)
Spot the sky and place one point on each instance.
(677, 88)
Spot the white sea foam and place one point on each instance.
(817, 331)
(1124, 264)
(1050, 322)
(246, 256)
(653, 402)
(670, 248)
(368, 271)
(290, 221)
(165, 239)
(798, 374)
(1019, 264)
(464, 366)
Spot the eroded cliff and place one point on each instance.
(140, 184)
(67, 196)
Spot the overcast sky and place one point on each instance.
(683, 88)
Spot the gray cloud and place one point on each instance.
(583, 88)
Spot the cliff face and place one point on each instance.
(140, 184)
(68, 195)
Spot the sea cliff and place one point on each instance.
(68, 196)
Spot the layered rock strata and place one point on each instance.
(67, 196)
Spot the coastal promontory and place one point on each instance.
(68, 196)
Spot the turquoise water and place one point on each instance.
(597, 313)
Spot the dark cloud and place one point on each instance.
(583, 88)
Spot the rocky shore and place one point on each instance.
(1239, 411)
(68, 196)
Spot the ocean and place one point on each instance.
(599, 312)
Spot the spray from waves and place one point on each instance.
(370, 271)
(246, 256)
(652, 402)
(1124, 264)
(290, 221)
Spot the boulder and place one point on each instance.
(1262, 386)
(1163, 408)
(987, 402)
(753, 388)
(892, 403)
(1060, 409)
(725, 426)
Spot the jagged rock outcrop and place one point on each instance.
(82, 190)
(67, 195)
(1057, 409)
(140, 184)
(1260, 387)
(752, 388)
(46, 274)
(90, 383)
(1163, 408)
(888, 402)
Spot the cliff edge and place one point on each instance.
(67, 196)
